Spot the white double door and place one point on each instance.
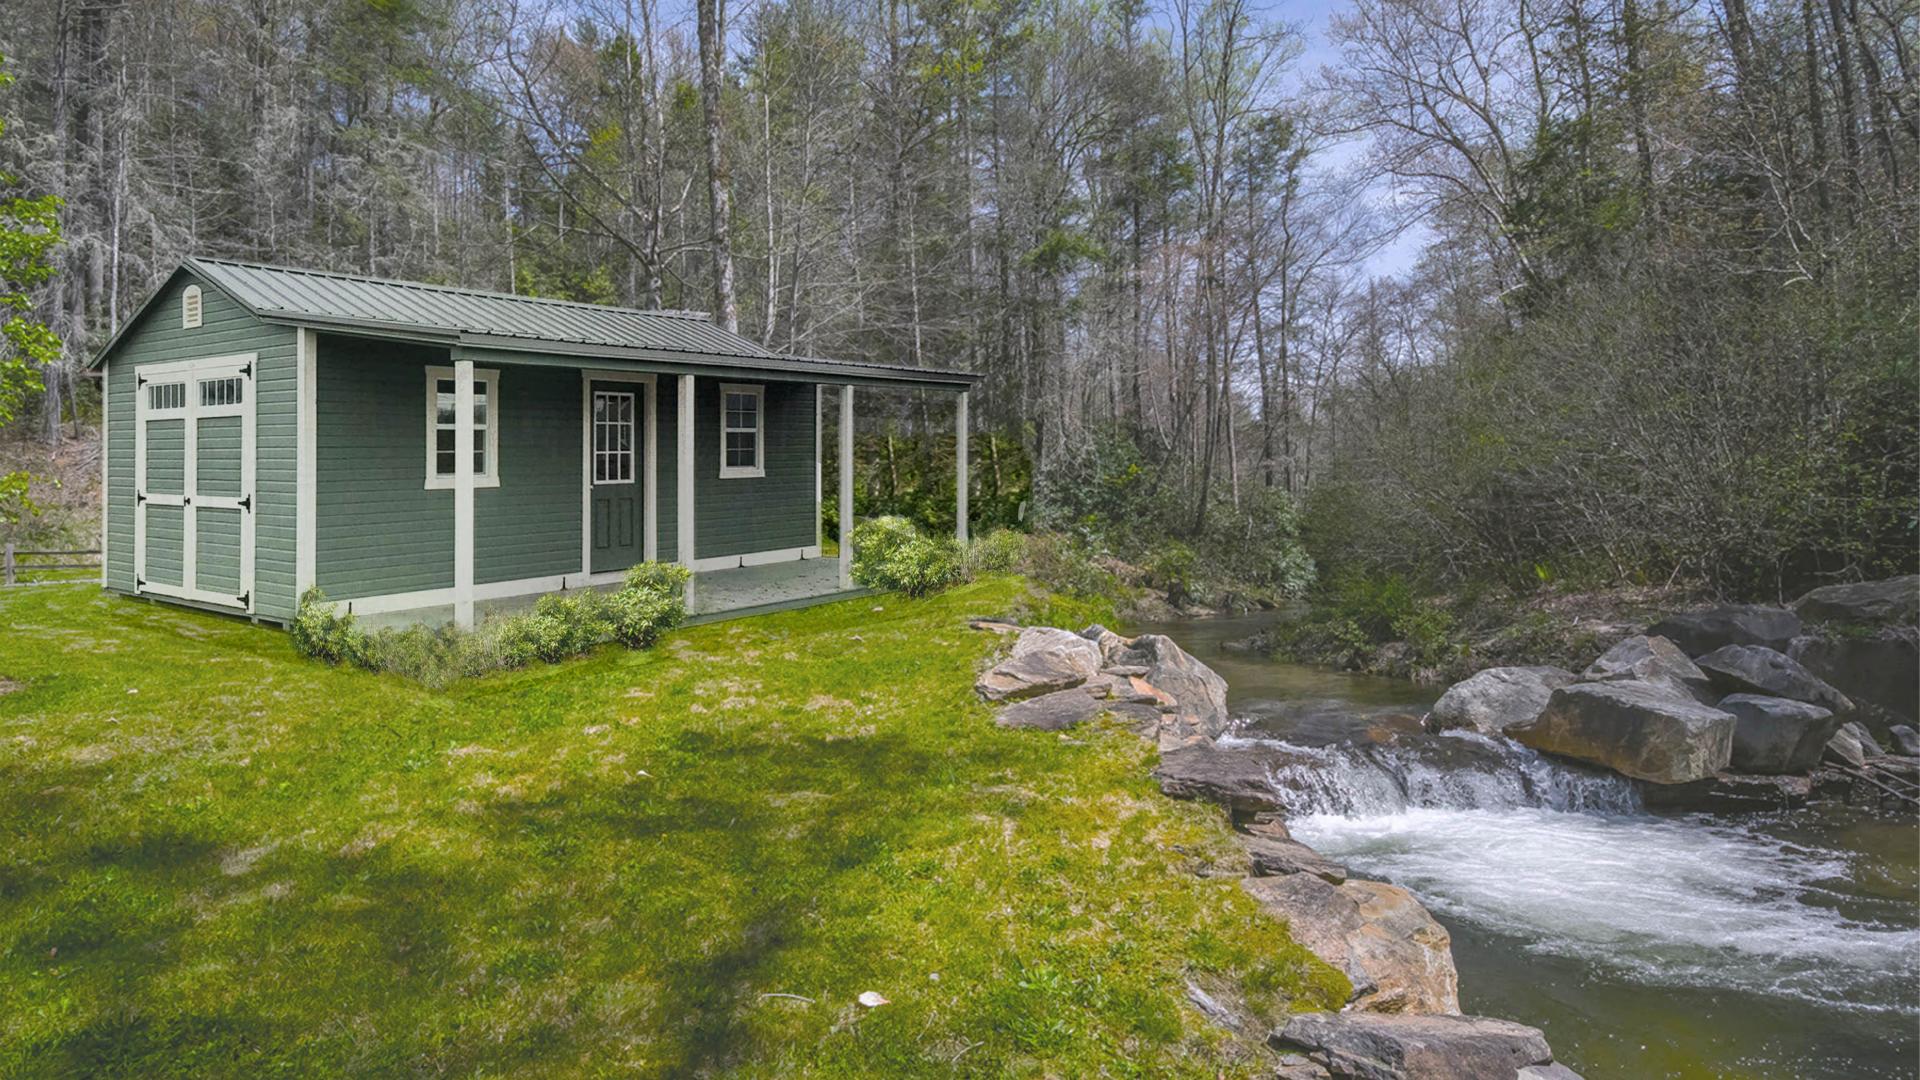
(194, 480)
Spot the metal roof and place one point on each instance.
(347, 303)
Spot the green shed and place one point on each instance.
(421, 452)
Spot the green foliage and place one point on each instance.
(17, 505)
(650, 602)
(1122, 502)
(1069, 564)
(325, 633)
(913, 478)
(889, 553)
(560, 625)
(1000, 551)
(29, 231)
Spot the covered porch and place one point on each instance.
(643, 440)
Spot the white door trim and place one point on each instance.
(649, 468)
(245, 366)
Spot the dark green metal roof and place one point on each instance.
(471, 317)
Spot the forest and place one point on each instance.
(1653, 317)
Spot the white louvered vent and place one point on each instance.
(190, 307)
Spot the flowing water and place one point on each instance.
(1645, 944)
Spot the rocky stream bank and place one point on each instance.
(1714, 709)
(1403, 1018)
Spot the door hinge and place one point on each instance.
(247, 504)
(139, 380)
(186, 500)
(247, 370)
(244, 597)
(139, 497)
(139, 583)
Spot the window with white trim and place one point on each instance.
(742, 430)
(612, 437)
(225, 391)
(440, 428)
(168, 395)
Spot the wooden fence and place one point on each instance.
(12, 568)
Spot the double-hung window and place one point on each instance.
(743, 417)
(440, 428)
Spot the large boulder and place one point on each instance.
(1776, 734)
(1702, 631)
(1650, 659)
(1274, 856)
(1754, 669)
(1397, 957)
(1881, 668)
(1891, 601)
(1199, 693)
(1640, 729)
(1057, 711)
(1043, 660)
(1374, 1046)
(1496, 699)
(1243, 780)
(1906, 740)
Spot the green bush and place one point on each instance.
(889, 553)
(998, 552)
(1068, 564)
(321, 631)
(652, 602)
(560, 625)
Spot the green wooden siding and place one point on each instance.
(529, 526)
(381, 530)
(763, 513)
(377, 529)
(667, 510)
(216, 542)
(226, 329)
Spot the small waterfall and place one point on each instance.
(1455, 771)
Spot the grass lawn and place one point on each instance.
(217, 857)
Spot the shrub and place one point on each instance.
(1068, 564)
(889, 553)
(875, 539)
(998, 552)
(652, 602)
(560, 625)
(324, 633)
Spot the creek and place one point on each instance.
(1645, 943)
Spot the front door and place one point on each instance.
(614, 421)
(193, 480)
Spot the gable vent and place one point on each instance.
(190, 307)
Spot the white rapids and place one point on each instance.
(1567, 861)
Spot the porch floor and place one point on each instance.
(717, 594)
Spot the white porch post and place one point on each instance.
(846, 486)
(960, 469)
(463, 492)
(683, 463)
